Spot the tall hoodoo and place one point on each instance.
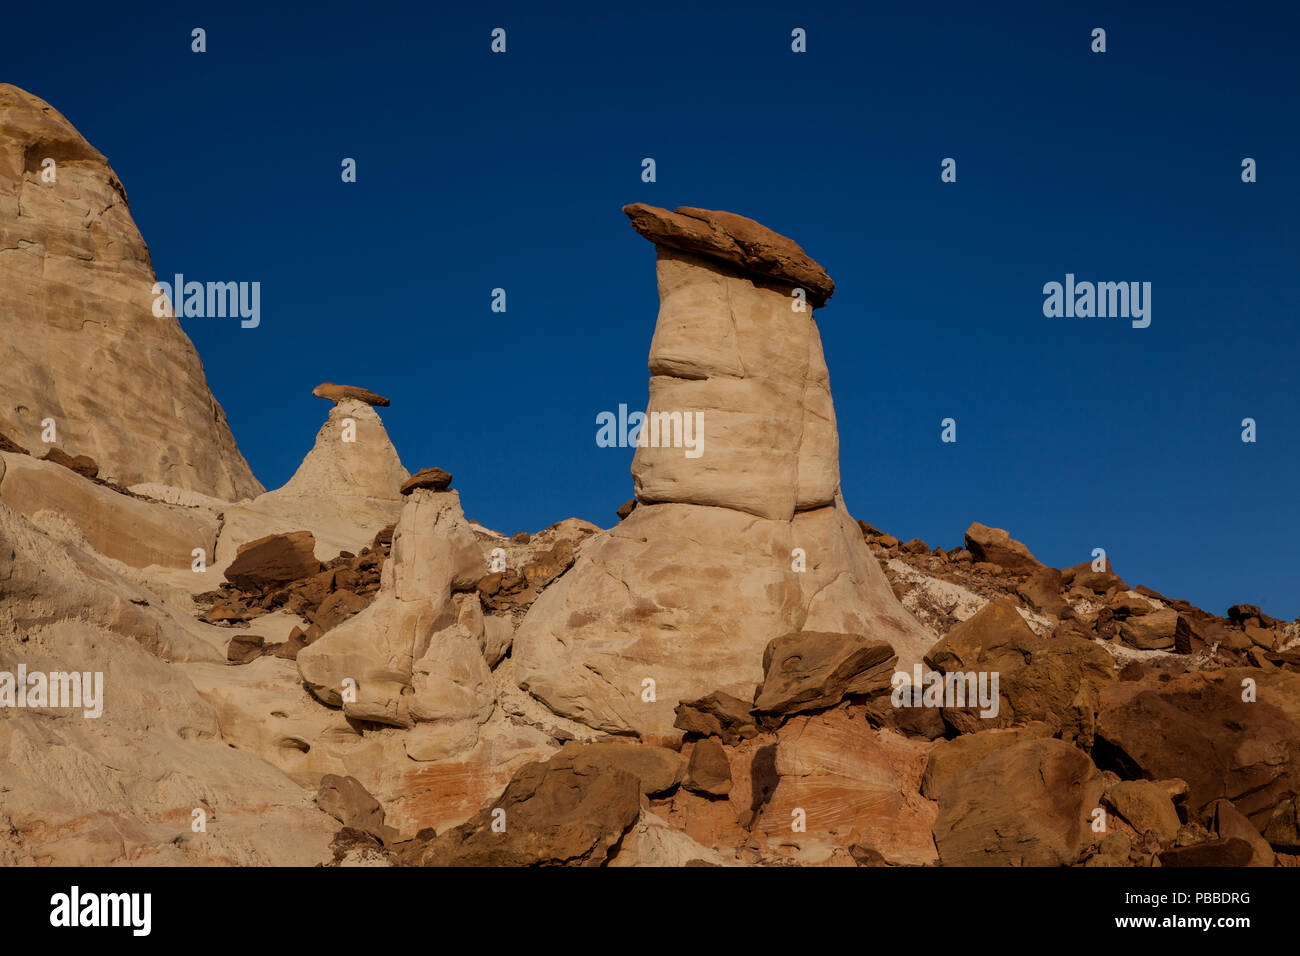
(690, 588)
(79, 340)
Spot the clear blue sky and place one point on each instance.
(478, 171)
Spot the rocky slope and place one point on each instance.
(348, 671)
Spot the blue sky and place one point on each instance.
(478, 171)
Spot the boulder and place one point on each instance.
(83, 465)
(244, 648)
(1043, 591)
(811, 670)
(339, 393)
(995, 546)
(1146, 806)
(852, 784)
(709, 771)
(657, 768)
(1029, 804)
(346, 800)
(652, 842)
(274, 561)
(717, 715)
(1213, 853)
(1229, 824)
(1153, 631)
(571, 810)
(434, 479)
(1083, 576)
(1197, 727)
(734, 241)
(1056, 680)
(951, 758)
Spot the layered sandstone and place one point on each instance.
(742, 543)
(79, 340)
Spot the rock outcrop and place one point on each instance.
(346, 490)
(346, 671)
(82, 344)
(734, 546)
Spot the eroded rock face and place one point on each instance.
(734, 361)
(731, 547)
(77, 311)
(122, 786)
(134, 531)
(408, 656)
(853, 786)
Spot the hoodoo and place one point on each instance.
(683, 596)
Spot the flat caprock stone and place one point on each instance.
(337, 393)
(736, 241)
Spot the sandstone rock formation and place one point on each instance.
(687, 591)
(81, 342)
(350, 672)
(347, 488)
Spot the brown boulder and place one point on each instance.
(811, 670)
(1029, 804)
(1150, 632)
(709, 771)
(717, 715)
(735, 241)
(346, 800)
(951, 758)
(1146, 806)
(83, 465)
(1230, 824)
(571, 810)
(1197, 727)
(275, 560)
(290, 648)
(338, 393)
(244, 648)
(434, 478)
(1098, 582)
(1043, 591)
(995, 546)
(659, 769)
(1243, 614)
(1056, 680)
